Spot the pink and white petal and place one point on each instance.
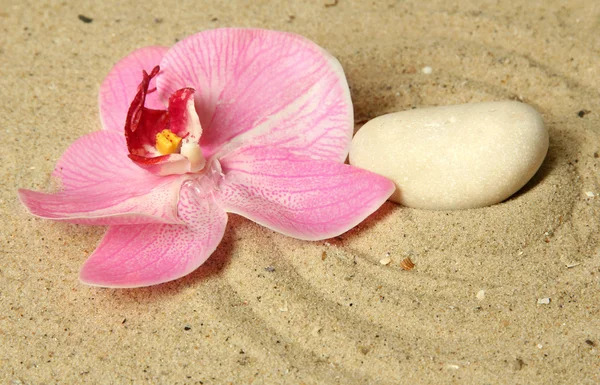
(81, 206)
(120, 86)
(264, 88)
(298, 196)
(134, 256)
(101, 185)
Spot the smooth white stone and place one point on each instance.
(454, 157)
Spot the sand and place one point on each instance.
(270, 309)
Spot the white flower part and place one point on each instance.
(192, 151)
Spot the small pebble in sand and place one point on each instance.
(583, 113)
(385, 261)
(407, 264)
(543, 301)
(427, 70)
(454, 157)
(590, 194)
(481, 295)
(85, 19)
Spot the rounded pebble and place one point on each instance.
(454, 157)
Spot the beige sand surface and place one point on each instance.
(328, 312)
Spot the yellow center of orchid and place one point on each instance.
(167, 142)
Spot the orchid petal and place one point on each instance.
(120, 86)
(299, 196)
(263, 88)
(134, 256)
(101, 186)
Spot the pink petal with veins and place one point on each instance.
(134, 256)
(101, 186)
(120, 86)
(299, 196)
(264, 88)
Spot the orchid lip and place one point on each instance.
(165, 142)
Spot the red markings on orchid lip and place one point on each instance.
(147, 130)
(142, 124)
(148, 161)
(178, 110)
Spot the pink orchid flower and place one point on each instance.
(246, 121)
